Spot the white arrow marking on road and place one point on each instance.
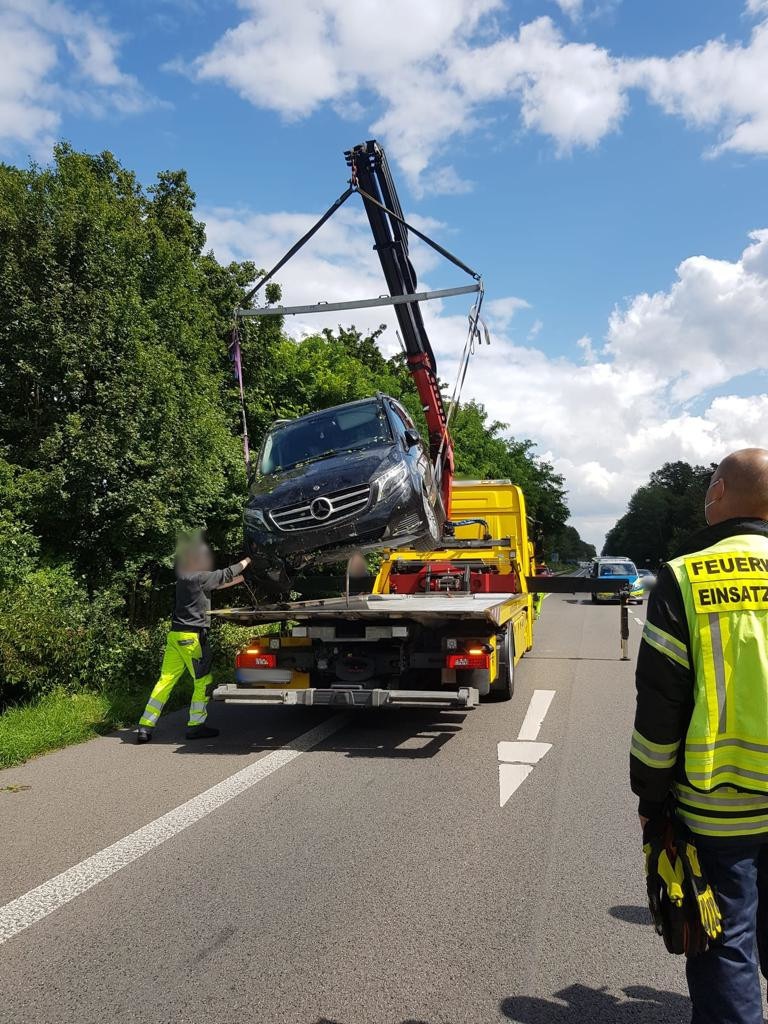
(522, 751)
(517, 757)
(536, 713)
(511, 777)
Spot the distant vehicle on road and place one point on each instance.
(544, 570)
(648, 578)
(349, 478)
(618, 567)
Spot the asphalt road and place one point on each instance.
(373, 879)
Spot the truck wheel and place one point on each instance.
(503, 686)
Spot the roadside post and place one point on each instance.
(624, 629)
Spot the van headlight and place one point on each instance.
(255, 518)
(391, 480)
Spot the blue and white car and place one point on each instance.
(618, 567)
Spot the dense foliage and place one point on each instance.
(661, 514)
(119, 420)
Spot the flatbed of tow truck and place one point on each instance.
(376, 608)
(443, 628)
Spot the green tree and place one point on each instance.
(115, 399)
(661, 514)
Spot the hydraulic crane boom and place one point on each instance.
(372, 177)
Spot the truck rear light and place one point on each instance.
(468, 659)
(255, 657)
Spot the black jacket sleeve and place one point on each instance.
(665, 687)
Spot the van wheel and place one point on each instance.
(503, 686)
(431, 539)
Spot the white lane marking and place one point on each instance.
(511, 777)
(535, 714)
(42, 901)
(517, 757)
(522, 752)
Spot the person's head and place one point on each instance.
(739, 487)
(193, 555)
(357, 566)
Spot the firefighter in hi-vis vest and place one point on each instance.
(700, 743)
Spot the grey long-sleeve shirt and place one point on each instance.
(192, 607)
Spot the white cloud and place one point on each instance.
(705, 330)
(54, 59)
(501, 311)
(605, 416)
(422, 88)
(718, 85)
(535, 330)
(572, 8)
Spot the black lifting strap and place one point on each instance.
(329, 213)
(301, 242)
(420, 234)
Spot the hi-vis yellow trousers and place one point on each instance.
(184, 652)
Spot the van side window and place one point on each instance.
(403, 421)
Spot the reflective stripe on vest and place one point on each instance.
(655, 755)
(724, 812)
(725, 593)
(666, 643)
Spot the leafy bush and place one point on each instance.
(44, 634)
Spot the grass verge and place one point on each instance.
(61, 717)
(55, 720)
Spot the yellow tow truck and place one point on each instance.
(444, 628)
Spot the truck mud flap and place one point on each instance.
(339, 697)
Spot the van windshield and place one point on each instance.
(324, 434)
(618, 569)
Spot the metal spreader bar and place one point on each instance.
(381, 300)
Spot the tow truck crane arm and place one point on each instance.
(372, 181)
(371, 177)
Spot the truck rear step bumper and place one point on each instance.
(464, 697)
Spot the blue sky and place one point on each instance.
(603, 162)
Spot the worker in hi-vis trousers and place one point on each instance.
(187, 648)
(700, 742)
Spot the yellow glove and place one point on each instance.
(709, 912)
(673, 877)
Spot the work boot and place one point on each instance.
(143, 734)
(201, 732)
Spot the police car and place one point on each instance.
(618, 567)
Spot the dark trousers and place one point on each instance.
(725, 981)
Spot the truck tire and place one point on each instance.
(503, 686)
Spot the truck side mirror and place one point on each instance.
(412, 437)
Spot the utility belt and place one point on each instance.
(201, 631)
(682, 904)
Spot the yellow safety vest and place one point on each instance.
(725, 592)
